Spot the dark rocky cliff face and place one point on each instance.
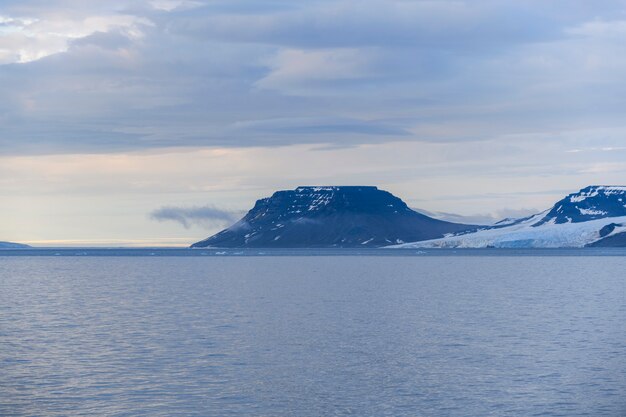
(335, 216)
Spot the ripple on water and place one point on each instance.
(308, 336)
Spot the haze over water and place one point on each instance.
(312, 336)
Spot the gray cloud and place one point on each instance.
(481, 219)
(144, 74)
(187, 216)
(319, 126)
(441, 24)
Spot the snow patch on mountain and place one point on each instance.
(594, 191)
(592, 212)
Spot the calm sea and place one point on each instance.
(156, 332)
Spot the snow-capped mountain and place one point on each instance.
(594, 216)
(590, 203)
(332, 216)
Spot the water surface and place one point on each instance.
(368, 335)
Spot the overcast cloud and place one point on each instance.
(92, 76)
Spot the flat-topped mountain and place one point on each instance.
(330, 216)
(593, 216)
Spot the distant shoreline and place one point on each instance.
(214, 252)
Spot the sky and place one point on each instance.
(159, 122)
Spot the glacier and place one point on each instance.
(592, 215)
(525, 235)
